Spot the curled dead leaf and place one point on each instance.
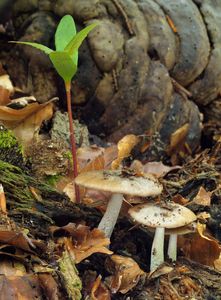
(158, 168)
(126, 273)
(125, 145)
(6, 89)
(178, 144)
(203, 197)
(201, 246)
(82, 242)
(180, 199)
(25, 123)
(20, 287)
(99, 291)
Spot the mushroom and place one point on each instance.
(173, 233)
(161, 217)
(118, 182)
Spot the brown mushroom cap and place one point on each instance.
(118, 181)
(170, 215)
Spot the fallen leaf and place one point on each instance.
(162, 270)
(20, 287)
(178, 143)
(125, 145)
(158, 168)
(99, 291)
(217, 263)
(6, 89)
(21, 102)
(202, 198)
(180, 199)
(29, 127)
(200, 246)
(86, 157)
(82, 241)
(137, 166)
(12, 117)
(203, 216)
(50, 286)
(126, 273)
(16, 239)
(11, 267)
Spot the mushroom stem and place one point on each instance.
(157, 250)
(109, 219)
(172, 247)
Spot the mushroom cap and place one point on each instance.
(120, 181)
(170, 215)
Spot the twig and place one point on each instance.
(126, 19)
(180, 89)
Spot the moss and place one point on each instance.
(10, 149)
(18, 188)
(51, 179)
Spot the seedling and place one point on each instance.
(65, 61)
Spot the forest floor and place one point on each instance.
(50, 246)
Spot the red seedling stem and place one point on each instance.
(72, 139)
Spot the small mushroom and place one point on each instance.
(173, 233)
(119, 182)
(162, 217)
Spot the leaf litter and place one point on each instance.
(193, 182)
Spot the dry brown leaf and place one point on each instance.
(87, 155)
(180, 199)
(203, 216)
(9, 267)
(20, 287)
(49, 286)
(99, 291)
(137, 166)
(125, 145)
(83, 242)
(12, 117)
(217, 263)
(158, 168)
(16, 239)
(162, 270)
(126, 273)
(200, 247)
(178, 143)
(203, 197)
(29, 127)
(6, 89)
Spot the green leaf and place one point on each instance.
(65, 32)
(35, 45)
(77, 40)
(63, 64)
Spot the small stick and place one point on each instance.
(126, 19)
(115, 81)
(180, 89)
(72, 139)
(2, 200)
